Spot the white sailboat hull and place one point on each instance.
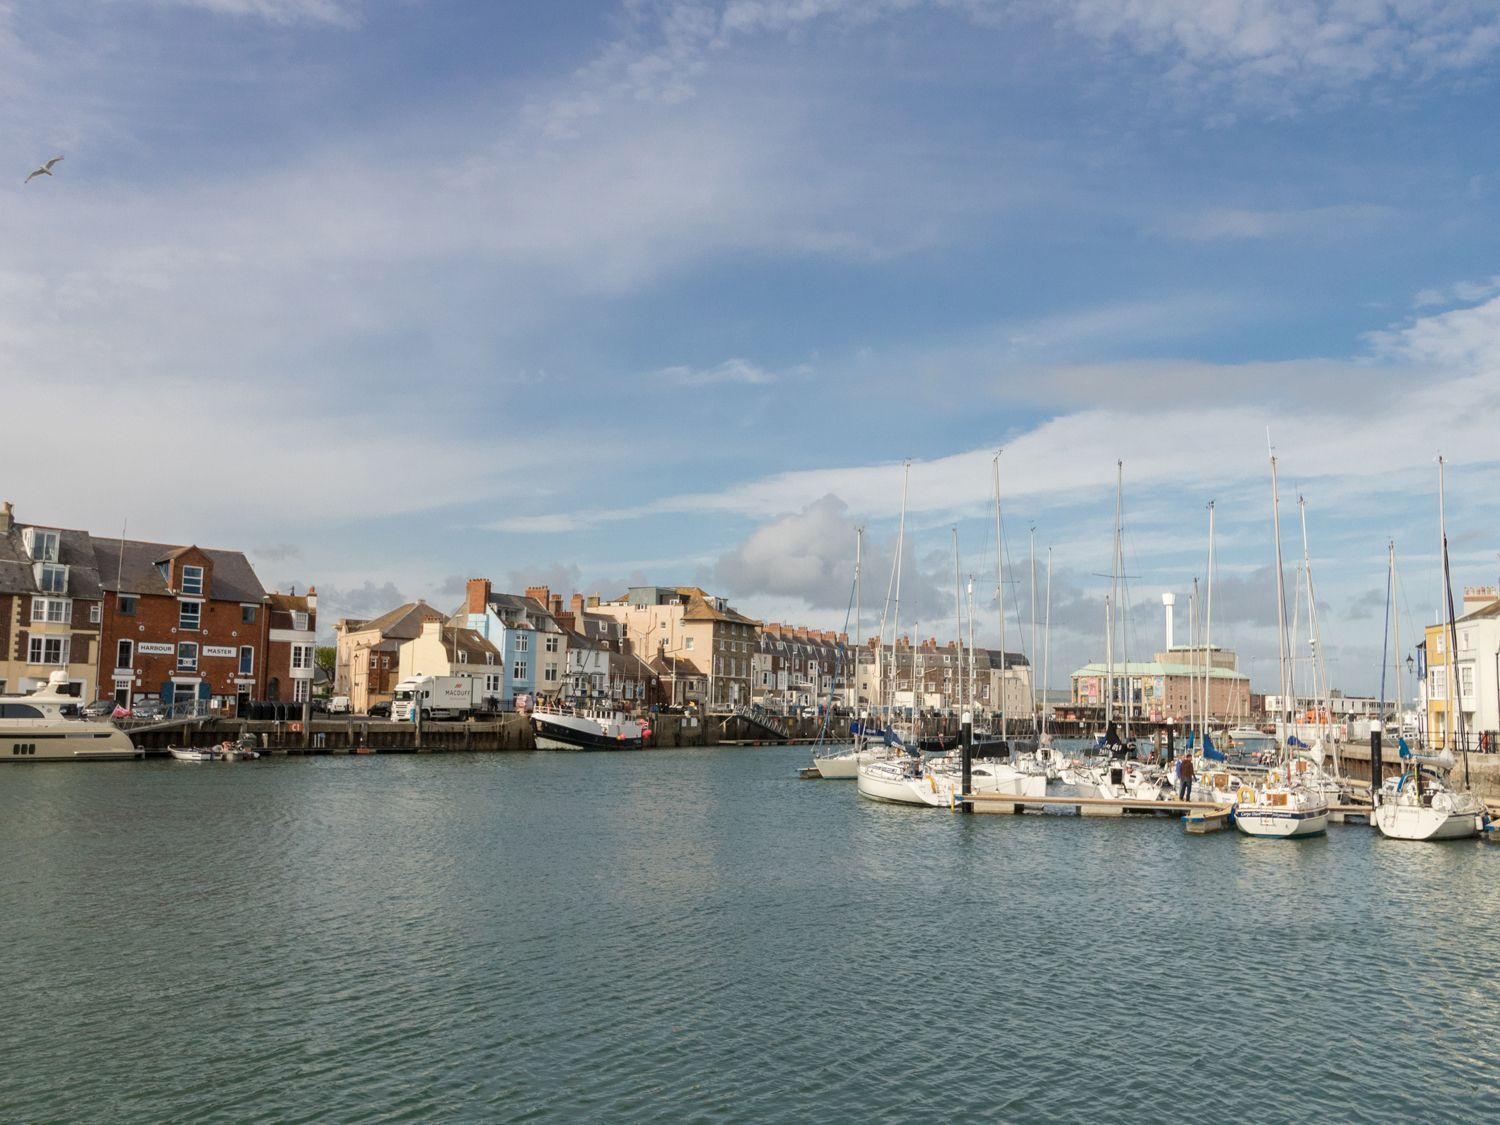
(920, 791)
(845, 766)
(1286, 822)
(1414, 822)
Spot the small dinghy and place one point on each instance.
(224, 752)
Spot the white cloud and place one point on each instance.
(1291, 43)
(274, 11)
(1462, 338)
(731, 371)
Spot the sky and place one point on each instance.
(393, 294)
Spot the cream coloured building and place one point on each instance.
(690, 637)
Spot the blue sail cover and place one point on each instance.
(1190, 740)
(1402, 748)
(1296, 743)
(1210, 750)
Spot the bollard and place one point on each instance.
(1377, 767)
(1171, 748)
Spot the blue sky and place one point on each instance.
(392, 294)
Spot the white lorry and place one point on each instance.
(438, 697)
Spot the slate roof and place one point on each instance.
(129, 567)
(291, 603)
(74, 550)
(404, 622)
(461, 638)
(517, 610)
(701, 608)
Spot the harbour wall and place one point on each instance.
(510, 733)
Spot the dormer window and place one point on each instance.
(192, 580)
(41, 545)
(52, 578)
(299, 621)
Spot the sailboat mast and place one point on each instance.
(1385, 635)
(1208, 629)
(1117, 577)
(1319, 667)
(958, 622)
(1396, 615)
(1455, 689)
(859, 545)
(1281, 637)
(1000, 599)
(970, 687)
(1047, 642)
(1031, 655)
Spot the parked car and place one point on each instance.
(99, 709)
(338, 705)
(147, 709)
(380, 711)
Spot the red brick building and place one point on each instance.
(189, 623)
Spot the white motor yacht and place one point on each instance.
(41, 727)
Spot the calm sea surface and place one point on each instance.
(700, 935)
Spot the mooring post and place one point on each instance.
(966, 741)
(1171, 748)
(1377, 767)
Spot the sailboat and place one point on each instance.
(1281, 808)
(844, 765)
(1418, 804)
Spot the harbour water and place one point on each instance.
(697, 934)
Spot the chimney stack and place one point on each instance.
(1167, 602)
(478, 595)
(7, 517)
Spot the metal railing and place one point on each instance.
(760, 717)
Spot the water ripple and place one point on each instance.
(699, 935)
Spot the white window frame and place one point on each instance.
(551, 644)
(523, 642)
(43, 569)
(184, 664)
(129, 647)
(53, 611)
(38, 541)
(191, 584)
(301, 691)
(687, 644)
(96, 613)
(182, 615)
(38, 644)
(299, 621)
(302, 657)
(519, 670)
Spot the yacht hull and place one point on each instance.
(923, 792)
(90, 742)
(1280, 824)
(1414, 822)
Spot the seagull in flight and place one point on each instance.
(44, 170)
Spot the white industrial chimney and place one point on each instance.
(1167, 602)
